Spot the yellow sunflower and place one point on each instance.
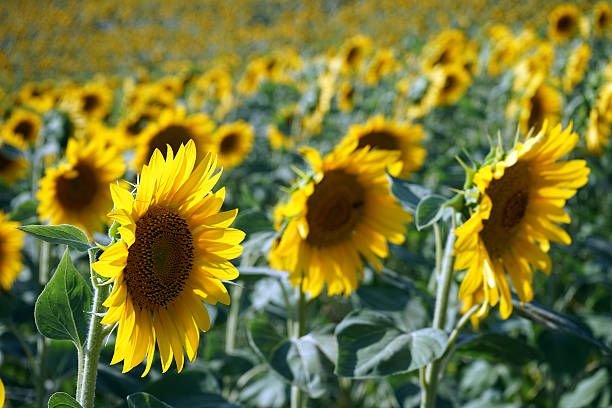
(346, 95)
(447, 85)
(563, 22)
(445, 49)
(539, 103)
(11, 242)
(232, 142)
(602, 17)
(174, 252)
(76, 192)
(173, 127)
(13, 166)
(577, 64)
(1, 393)
(353, 52)
(344, 212)
(383, 63)
(598, 133)
(380, 134)
(39, 96)
(279, 133)
(22, 128)
(91, 101)
(521, 200)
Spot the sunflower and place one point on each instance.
(598, 132)
(232, 142)
(92, 101)
(1, 393)
(445, 49)
(39, 96)
(279, 133)
(11, 242)
(533, 66)
(173, 253)
(602, 17)
(353, 52)
(521, 200)
(75, 192)
(22, 128)
(341, 213)
(577, 64)
(173, 127)
(383, 63)
(447, 85)
(563, 22)
(346, 95)
(13, 166)
(381, 134)
(539, 103)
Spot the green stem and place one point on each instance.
(232, 320)
(431, 375)
(297, 398)
(87, 389)
(41, 342)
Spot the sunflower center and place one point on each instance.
(379, 139)
(536, 116)
(510, 199)
(602, 21)
(565, 24)
(160, 259)
(449, 84)
(334, 208)
(352, 55)
(77, 189)
(229, 143)
(25, 129)
(90, 103)
(174, 136)
(5, 162)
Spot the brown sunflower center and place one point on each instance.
(510, 199)
(6, 162)
(449, 84)
(603, 19)
(229, 143)
(77, 189)
(537, 114)
(352, 56)
(90, 103)
(379, 140)
(160, 259)
(565, 24)
(334, 208)
(25, 129)
(174, 136)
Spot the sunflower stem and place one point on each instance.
(41, 342)
(232, 320)
(297, 399)
(95, 335)
(431, 374)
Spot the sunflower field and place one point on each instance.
(330, 203)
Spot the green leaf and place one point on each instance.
(63, 400)
(556, 321)
(24, 210)
(371, 345)
(301, 361)
(60, 309)
(429, 210)
(59, 234)
(144, 400)
(409, 194)
(586, 391)
(498, 347)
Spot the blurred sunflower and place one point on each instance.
(131, 127)
(39, 96)
(341, 213)
(598, 132)
(602, 17)
(531, 67)
(13, 165)
(382, 64)
(231, 142)
(444, 49)
(279, 133)
(353, 53)
(11, 243)
(346, 94)
(22, 128)
(521, 200)
(174, 252)
(563, 22)
(173, 127)
(381, 134)
(577, 64)
(539, 103)
(76, 191)
(447, 85)
(93, 101)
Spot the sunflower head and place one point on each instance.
(598, 132)
(521, 199)
(173, 127)
(342, 212)
(13, 165)
(563, 22)
(447, 85)
(173, 254)
(22, 128)
(232, 142)
(353, 52)
(602, 17)
(346, 96)
(445, 49)
(40, 96)
(541, 102)
(76, 191)
(11, 243)
(576, 66)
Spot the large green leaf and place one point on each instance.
(59, 234)
(429, 210)
(63, 400)
(370, 344)
(144, 400)
(498, 347)
(60, 311)
(409, 194)
(586, 391)
(301, 361)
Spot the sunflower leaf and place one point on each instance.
(144, 400)
(498, 347)
(409, 194)
(586, 391)
(62, 400)
(429, 210)
(59, 234)
(370, 345)
(59, 312)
